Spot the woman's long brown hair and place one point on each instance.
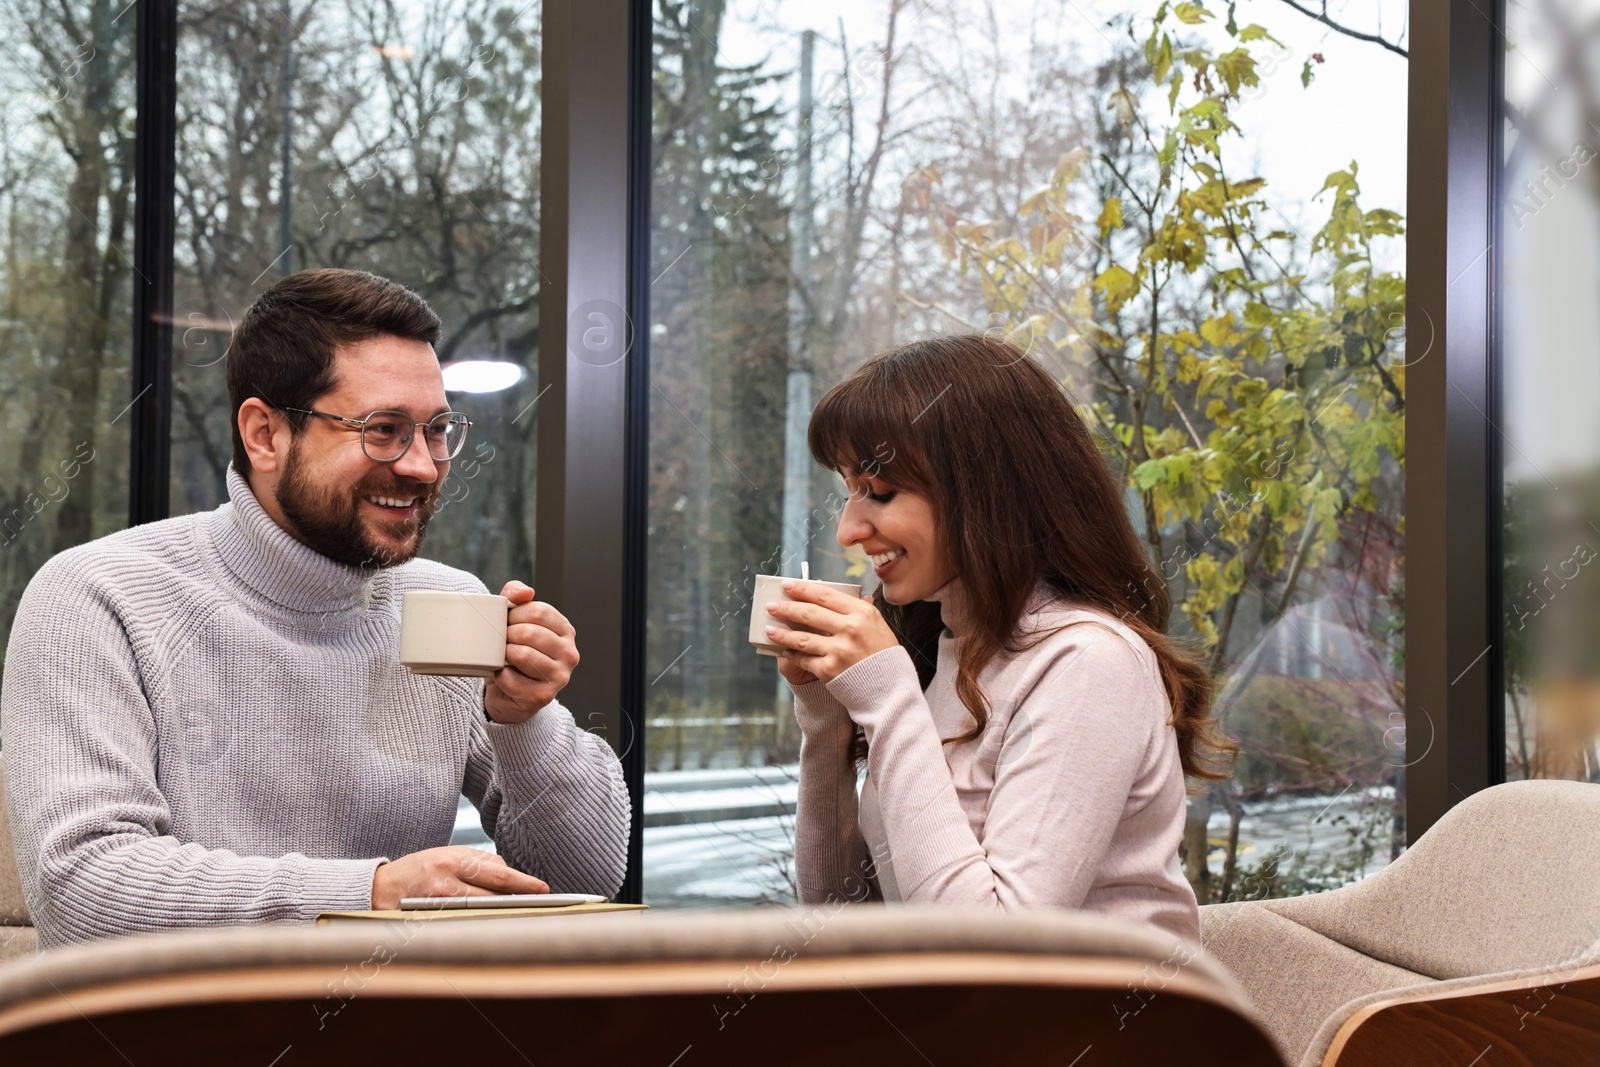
(1021, 494)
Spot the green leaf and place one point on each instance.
(1257, 314)
(1272, 554)
(1163, 59)
(1254, 32)
(1277, 496)
(1341, 181)
(1239, 190)
(1233, 575)
(1306, 75)
(1237, 68)
(1149, 474)
(1191, 14)
(1168, 152)
(1249, 391)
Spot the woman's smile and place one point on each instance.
(884, 562)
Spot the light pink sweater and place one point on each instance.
(1072, 797)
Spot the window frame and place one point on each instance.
(154, 222)
(1454, 696)
(593, 434)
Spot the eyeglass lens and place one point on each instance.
(387, 434)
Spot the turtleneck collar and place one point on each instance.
(952, 601)
(263, 556)
(955, 607)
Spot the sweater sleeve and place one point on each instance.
(89, 821)
(1063, 774)
(829, 851)
(552, 797)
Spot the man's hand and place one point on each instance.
(541, 651)
(851, 629)
(451, 871)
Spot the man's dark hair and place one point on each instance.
(283, 351)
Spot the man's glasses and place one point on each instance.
(386, 435)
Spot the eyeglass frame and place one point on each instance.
(411, 438)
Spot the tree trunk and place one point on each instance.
(700, 76)
(78, 371)
(1230, 859)
(1195, 846)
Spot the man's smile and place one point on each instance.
(393, 507)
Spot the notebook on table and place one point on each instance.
(433, 909)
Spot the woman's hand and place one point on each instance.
(851, 629)
(793, 673)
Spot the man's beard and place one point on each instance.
(329, 520)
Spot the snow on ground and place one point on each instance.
(741, 853)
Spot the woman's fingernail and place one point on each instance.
(772, 629)
(788, 583)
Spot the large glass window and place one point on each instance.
(1192, 215)
(66, 277)
(398, 139)
(403, 141)
(1549, 435)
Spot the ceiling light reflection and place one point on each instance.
(481, 375)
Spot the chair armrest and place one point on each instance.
(1546, 1015)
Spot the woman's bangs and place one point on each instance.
(861, 435)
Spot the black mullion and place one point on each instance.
(1452, 477)
(155, 137)
(636, 488)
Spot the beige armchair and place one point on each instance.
(1480, 940)
(858, 984)
(17, 937)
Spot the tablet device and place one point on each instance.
(504, 900)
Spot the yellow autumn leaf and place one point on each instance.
(1110, 216)
(1116, 286)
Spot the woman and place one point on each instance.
(1026, 726)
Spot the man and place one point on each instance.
(205, 720)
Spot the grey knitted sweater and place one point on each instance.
(205, 722)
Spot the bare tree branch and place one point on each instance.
(1323, 18)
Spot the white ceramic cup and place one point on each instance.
(769, 587)
(460, 634)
